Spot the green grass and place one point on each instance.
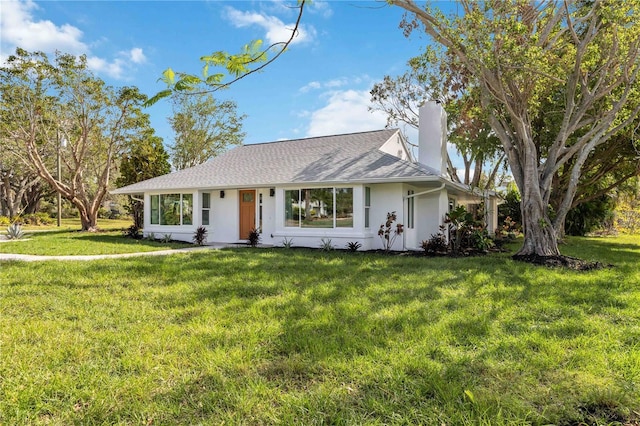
(62, 243)
(73, 224)
(276, 336)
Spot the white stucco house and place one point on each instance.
(337, 187)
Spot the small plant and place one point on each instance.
(133, 232)
(437, 243)
(14, 232)
(4, 220)
(325, 245)
(200, 236)
(353, 246)
(151, 236)
(166, 238)
(459, 222)
(388, 232)
(254, 237)
(481, 241)
(287, 243)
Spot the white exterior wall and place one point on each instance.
(432, 209)
(386, 198)
(268, 216)
(224, 217)
(394, 146)
(429, 213)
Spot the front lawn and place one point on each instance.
(277, 336)
(69, 243)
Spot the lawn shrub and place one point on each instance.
(200, 236)
(436, 244)
(14, 232)
(133, 232)
(254, 238)
(353, 246)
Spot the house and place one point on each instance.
(337, 187)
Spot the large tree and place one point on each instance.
(204, 128)
(523, 53)
(44, 103)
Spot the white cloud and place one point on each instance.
(322, 8)
(331, 84)
(345, 112)
(276, 30)
(19, 28)
(137, 56)
(310, 86)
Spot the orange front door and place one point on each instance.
(247, 212)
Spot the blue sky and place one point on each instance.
(319, 87)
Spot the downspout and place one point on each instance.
(137, 199)
(406, 197)
(424, 192)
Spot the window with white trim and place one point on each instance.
(410, 209)
(206, 208)
(171, 209)
(319, 208)
(367, 205)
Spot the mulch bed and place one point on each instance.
(562, 262)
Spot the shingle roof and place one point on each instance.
(341, 158)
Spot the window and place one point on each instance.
(206, 207)
(367, 205)
(452, 204)
(187, 209)
(155, 209)
(344, 207)
(260, 212)
(171, 209)
(319, 208)
(410, 209)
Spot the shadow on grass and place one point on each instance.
(311, 337)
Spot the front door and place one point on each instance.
(247, 212)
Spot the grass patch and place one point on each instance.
(277, 336)
(65, 243)
(73, 224)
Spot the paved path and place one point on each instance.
(34, 258)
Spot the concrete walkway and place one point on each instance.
(34, 258)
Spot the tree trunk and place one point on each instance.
(88, 216)
(539, 235)
(137, 211)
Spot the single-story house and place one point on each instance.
(305, 191)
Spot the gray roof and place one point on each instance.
(351, 157)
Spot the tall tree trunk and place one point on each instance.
(137, 211)
(88, 219)
(539, 235)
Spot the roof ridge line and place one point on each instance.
(320, 137)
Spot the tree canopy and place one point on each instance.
(45, 103)
(204, 128)
(523, 53)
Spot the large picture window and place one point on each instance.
(171, 209)
(319, 208)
